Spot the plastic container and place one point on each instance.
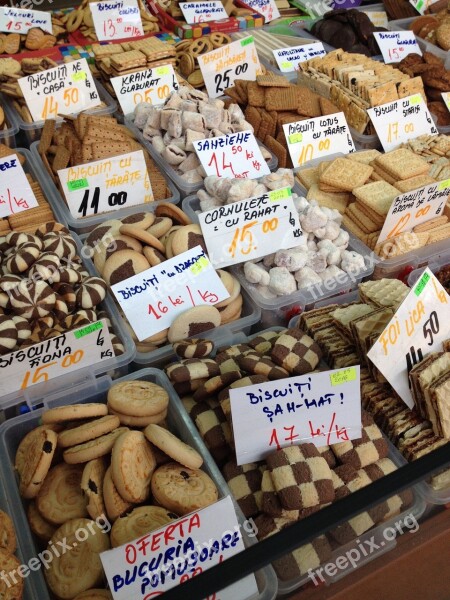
(86, 224)
(32, 131)
(365, 142)
(8, 134)
(11, 432)
(403, 25)
(185, 189)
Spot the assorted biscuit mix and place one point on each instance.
(35, 39)
(434, 28)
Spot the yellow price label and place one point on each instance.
(276, 195)
(79, 76)
(343, 376)
(295, 138)
(162, 70)
(415, 99)
(444, 184)
(200, 265)
(286, 65)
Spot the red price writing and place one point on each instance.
(221, 163)
(195, 297)
(395, 54)
(14, 26)
(109, 29)
(13, 202)
(287, 436)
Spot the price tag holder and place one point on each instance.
(167, 557)
(422, 5)
(116, 20)
(395, 45)
(16, 194)
(413, 208)
(153, 86)
(267, 8)
(64, 90)
(418, 328)
(18, 20)
(152, 299)
(318, 137)
(319, 408)
(234, 155)
(55, 357)
(252, 228)
(105, 185)
(220, 67)
(378, 18)
(201, 12)
(289, 58)
(402, 120)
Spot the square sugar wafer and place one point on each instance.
(402, 164)
(361, 219)
(378, 196)
(346, 175)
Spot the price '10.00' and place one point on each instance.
(307, 152)
(114, 199)
(243, 240)
(51, 106)
(222, 80)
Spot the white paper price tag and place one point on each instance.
(378, 18)
(319, 408)
(64, 90)
(252, 228)
(55, 357)
(418, 328)
(234, 155)
(220, 67)
(16, 194)
(107, 184)
(201, 12)
(116, 19)
(318, 137)
(153, 86)
(402, 120)
(395, 45)
(18, 20)
(446, 99)
(289, 58)
(267, 8)
(414, 208)
(422, 5)
(169, 556)
(152, 299)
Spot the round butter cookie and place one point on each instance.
(165, 209)
(124, 264)
(132, 466)
(160, 226)
(192, 322)
(102, 445)
(38, 525)
(173, 446)
(142, 220)
(137, 398)
(73, 412)
(88, 431)
(142, 236)
(41, 448)
(193, 348)
(23, 450)
(139, 422)
(94, 595)
(186, 238)
(60, 497)
(7, 533)
(138, 522)
(114, 503)
(8, 589)
(92, 487)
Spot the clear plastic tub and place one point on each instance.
(86, 224)
(185, 189)
(32, 131)
(365, 142)
(434, 263)
(8, 135)
(11, 432)
(403, 25)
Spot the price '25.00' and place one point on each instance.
(222, 80)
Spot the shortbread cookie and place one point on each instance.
(132, 466)
(7, 533)
(101, 446)
(88, 431)
(60, 497)
(271, 504)
(14, 588)
(173, 446)
(41, 448)
(38, 525)
(193, 321)
(23, 450)
(245, 484)
(92, 487)
(122, 265)
(183, 490)
(139, 422)
(137, 398)
(191, 369)
(74, 412)
(139, 522)
(114, 503)
(216, 384)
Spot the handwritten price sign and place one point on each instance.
(321, 408)
(201, 12)
(417, 329)
(378, 18)
(64, 90)
(233, 155)
(402, 120)
(318, 137)
(16, 194)
(106, 185)
(116, 20)
(222, 66)
(267, 8)
(289, 58)
(251, 228)
(396, 45)
(18, 20)
(53, 358)
(153, 86)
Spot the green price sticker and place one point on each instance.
(286, 65)
(162, 70)
(277, 195)
(415, 99)
(295, 138)
(343, 376)
(247, 41)
(419, 5)
(444, 184)
(200, 265)
(422, 283)
(87, 330)
(79, 76)
(77, 184)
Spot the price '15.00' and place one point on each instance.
(243, 240)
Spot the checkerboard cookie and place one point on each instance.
(245, 484)
(296, 352)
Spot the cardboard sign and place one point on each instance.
(252, 228)
(55, 357)
(417, 329)
(318, 137)
(18, 20)
(422, 5)
(234, 155)
(289, 58)
(220, 67)
(108, 184)
(396, 45)
(152, 299)
(201, 12)
(402, 120)
(116, 19)
(16, 194)
(153, 86)
(64, 90)
(267, 8)
(413, 208)
(169, 556)
(378, 18)
(320, 408)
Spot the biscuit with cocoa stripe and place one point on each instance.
(296, 352)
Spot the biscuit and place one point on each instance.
(87, 431)
(215, 384)
(74, 412)
(123, 264)
(365, 450)
(82, 453)
(139, 422)
(92, 594)
(60, 497)
(137, 398)
(41, 446)
(193, 321)
(139, 522)
(193, 348)
(192, 368)
(8, 540)
(245, 484)
(38, 525)
(173, 446)
(296, 352)
(10, 564)
(114, 503)
(132, 466)
(92, 487)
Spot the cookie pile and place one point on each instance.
(434, 28)
(187, 116)
(271, 102)
(35, 39)
(144, 240)
(8, 561)
(83, 467)
(45, 290)
(443, 276)
(188, 50)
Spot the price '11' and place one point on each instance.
(114, 199)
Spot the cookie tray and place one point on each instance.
(86, 224)
(184, 188)
(376, 534)
(13, 431)
(8, 134)
(403, 25)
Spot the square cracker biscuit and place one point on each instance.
(346, 175)
(378, 196)
(402, 164)
(414, 183)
